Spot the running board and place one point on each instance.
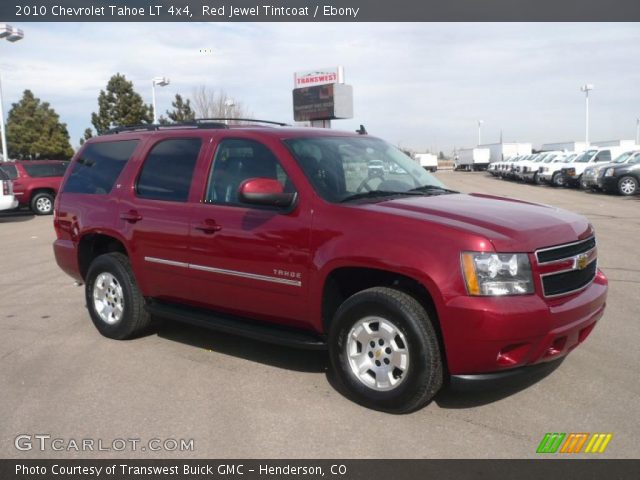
(238, 326)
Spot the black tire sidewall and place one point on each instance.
(34, 202)
(401, 398)
(125, 327)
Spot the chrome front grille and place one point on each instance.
(567, 268)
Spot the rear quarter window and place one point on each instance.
(45, 169)
(99, 166)
(10, 170)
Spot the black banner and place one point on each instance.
(318, 10)
(316, 469)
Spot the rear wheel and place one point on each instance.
(627, 186)
(384, 350)
(114, 301)
(42, 203)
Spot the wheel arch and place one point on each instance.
(93, 244)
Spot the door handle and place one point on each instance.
(208, 227)
(131, 216)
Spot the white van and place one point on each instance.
(7, 198)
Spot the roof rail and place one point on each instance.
(231, 119)
(217, 123)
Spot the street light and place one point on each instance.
(228, 104)
(480, 122)
(637, 131)
(12, 34)
(161, 82)
(586, 89)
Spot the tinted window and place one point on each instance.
(239, 160)
(3, 175)
(98, 167)
(10, 170)
(168, 169)
(604, 156)
(45, 169)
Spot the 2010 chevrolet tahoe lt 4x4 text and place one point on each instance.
(284, 235)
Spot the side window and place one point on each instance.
(166, 173)
(604, 156)
(239, 160)
(10, 170)
(45, 169)
(98, 167)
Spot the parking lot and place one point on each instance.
(239, 398)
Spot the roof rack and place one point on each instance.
(216, 123)
(231, 119)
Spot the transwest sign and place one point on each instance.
(321, 76)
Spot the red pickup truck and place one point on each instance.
(36, 182)
(283, 234)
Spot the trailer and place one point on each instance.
(428, 161)
(472, 159)
(501, 151)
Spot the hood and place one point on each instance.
(511, 225)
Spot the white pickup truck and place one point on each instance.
(550, 173)
(572, 174)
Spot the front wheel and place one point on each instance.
(627, 186)
(384, 350)
(557, 180)
(114, 301)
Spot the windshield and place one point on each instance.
(624, 157)
(345, 168)
(586, 156)
(568, 159)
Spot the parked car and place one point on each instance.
(572, 174)
(7, 198)
(592, 176)
(274, 233)
(624, 177)
(551, 172)
(36, 182)
(534, 173)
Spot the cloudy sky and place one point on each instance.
(421, 85)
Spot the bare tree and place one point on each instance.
(211, 103)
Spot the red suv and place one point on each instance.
(282, 235)
(36, 182)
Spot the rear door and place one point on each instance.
(154, 215)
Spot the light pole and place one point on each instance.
(586, 88)
(161, 82)
(228, 104)
(12, 34)
(637, 131)
(480, 122)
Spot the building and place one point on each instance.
(566, 146)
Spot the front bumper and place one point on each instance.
(493, 334)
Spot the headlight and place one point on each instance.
(609, 172)
(493, 274)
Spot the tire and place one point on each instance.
(130, 319)
(627, 185)
(409, 341)
(42, 203)
(557, 180)
(536, 179)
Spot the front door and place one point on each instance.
(249, 260)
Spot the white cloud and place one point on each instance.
(421, 85)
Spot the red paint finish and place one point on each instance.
(25, 185)
(272, 265)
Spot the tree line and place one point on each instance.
(34, 129)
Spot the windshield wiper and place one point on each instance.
(375, 194)
(432, 189)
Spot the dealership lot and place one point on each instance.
(238, 398)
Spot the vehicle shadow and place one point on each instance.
(454, 395)
(253, 350)
(459, 395)
(13, 216)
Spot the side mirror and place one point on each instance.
(265, 191)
